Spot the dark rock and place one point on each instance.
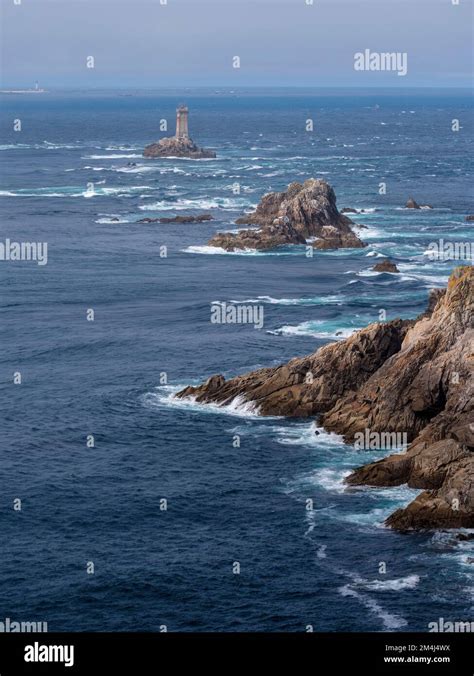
(349, 210)
(187, 219)
(470, 217)
(411, 204)
(385, 266)
(178, 219)
(270, 237)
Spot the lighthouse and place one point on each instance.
(179, 145)
(182, 122)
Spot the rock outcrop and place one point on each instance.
(303, 213)
(309, 385)
(177, 147)
(385, 266)
(408, 376)
(178, 219)
(412, 204)
(470, 217)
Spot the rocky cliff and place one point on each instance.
(303, 212)
(413, 377)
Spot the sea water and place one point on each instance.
(164, 504)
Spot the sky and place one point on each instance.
(174, 43)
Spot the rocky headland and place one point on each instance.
(306, 213)
(403, 376)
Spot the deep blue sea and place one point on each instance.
(114, 377)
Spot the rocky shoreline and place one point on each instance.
(413, 377)
(306, 213)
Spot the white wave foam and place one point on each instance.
(399, 584)
(331, 480)
(14, 146)
(375, 254)
(308, 435)
(390, 621)
(323, 300)
(191, 159)
(70, 191)
(110, 220)
(122, 148)
(213, 250)
(112, 157)
(204, 249)
(165, 396)
(321, 553)
(45, 145)
(311, 329)
(204, 203)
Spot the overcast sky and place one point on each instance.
(143, 43)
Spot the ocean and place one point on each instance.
(164, 504)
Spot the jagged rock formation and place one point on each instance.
(177, 147)
(385, 266)
(414, 377)
(309, 385)
(470, 217)
(304, 211)
(270, 237)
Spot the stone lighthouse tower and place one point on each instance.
(182, 122)
(179, 145)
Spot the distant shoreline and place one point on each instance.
(24, 91)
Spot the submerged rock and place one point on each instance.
(303, 211)
(407, 376)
